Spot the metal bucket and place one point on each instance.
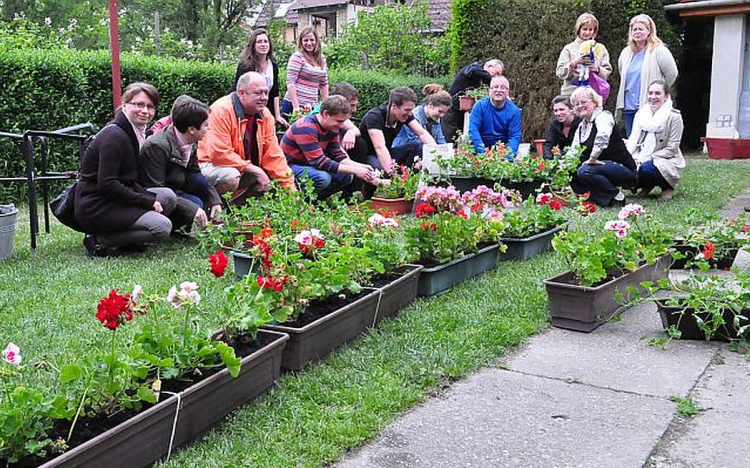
(8, 215)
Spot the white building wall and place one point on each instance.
(726, 76)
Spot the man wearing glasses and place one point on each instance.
(495, 118)
(240, 152)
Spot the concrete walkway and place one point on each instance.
(568, 399)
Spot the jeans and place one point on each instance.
(401, 155)
(603, 180)
(650, 177)
(195, 189)
(325, 183)
(628, 116)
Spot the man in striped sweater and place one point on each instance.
(313, 150)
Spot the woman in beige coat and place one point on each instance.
(570, 59)
(655, 143)
(643, 61)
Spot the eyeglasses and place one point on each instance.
(142, 105)
(501, 87)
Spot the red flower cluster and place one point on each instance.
(276, 283)
(586, 208)
(462, 214)
(259, 242)
(218, 262)
(708, 250)
(542, 166)
(555, 205)
(115, 309)
(424, 210)
(428, 226)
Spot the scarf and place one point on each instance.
(648, 125)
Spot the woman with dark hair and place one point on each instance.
(306, 74)
(110, 205)
(258, 57)
(436, 104)
(562, 127)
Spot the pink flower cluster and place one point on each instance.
(442, 198)
(12, 354)
(620, 227)
(379, 220)
(484, 196)
(631, 211)
(310, 240)
(186, 296)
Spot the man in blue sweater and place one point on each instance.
(495, 118)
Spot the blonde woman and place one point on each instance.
(306, 74)
(645, 60)
(655, 143)
(570, 59)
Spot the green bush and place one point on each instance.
(46, 90)
(528, 35)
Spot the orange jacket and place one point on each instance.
(222, 145)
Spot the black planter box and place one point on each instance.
(145, 438)
(690, 252)
(527, 247)
(585, 308)
(398, 294)
(683, 318)
(437, 279)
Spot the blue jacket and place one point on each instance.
(488, 125)
(406, 136)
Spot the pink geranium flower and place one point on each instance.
(12, 354)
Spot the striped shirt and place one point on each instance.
(306, 143)
(306, 78)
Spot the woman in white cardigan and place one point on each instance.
(655, 143)
(643, 61)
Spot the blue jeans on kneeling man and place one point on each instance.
(325, 183)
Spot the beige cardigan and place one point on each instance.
(658, 64)
(571, 52)
(667, 156)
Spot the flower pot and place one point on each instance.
(683, 318)
(469, 183)
(539, 146)
(727, 148)
(584, 308)
(317, 339)
(392, 205)
(437, 279)
(690, 252)
(398, 294)
(145, 438)
(527, 247)
(465, 103)
(8, 216)
(525, 187)
(242, 264)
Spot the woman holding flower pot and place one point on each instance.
(644, 60)
(573, 64)
(655, 143)
(606, 162)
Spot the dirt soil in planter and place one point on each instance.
(88, 428)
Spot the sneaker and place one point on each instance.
(666, 195)
(618, 200)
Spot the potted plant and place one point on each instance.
(471, 96)
(601, 264)
(454, 236)
(396, 195)
(530, 229)
(712, 241)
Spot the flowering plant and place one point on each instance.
(297, 114)
(535, 216)
(402, 184)
(710, 238)
(623, 245)
(479, 92)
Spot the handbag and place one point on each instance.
(599, 85)
(63, 207)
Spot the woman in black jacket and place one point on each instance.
(258, 57)
(562, 127)
(110, 205)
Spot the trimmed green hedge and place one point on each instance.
(528, 35)
(47, 90)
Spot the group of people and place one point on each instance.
(136, 189)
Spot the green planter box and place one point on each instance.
(437, 279)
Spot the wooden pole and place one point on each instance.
(114, 48)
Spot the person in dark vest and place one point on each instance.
(562, 127)
(110, 205)
(606, 164)
(472, 75)
(169, 159)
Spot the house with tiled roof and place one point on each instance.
(728, 127)
(329, 16)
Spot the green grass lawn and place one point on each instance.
(48, 300)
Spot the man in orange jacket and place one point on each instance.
(240, 152)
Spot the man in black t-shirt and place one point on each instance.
(472, 75)
(381, 125)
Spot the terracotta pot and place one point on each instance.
(465, 103)
(392, 205)
(539, 145)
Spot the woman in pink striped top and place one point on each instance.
(306, 73)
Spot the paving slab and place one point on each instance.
(614, 356)
(499, 418)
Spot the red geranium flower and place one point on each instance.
(218, 262)
(114, 310)
(424, 209)
(541, 166)
(555, 205)
(708, 250)
(269, 282)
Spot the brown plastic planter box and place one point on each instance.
(585, 308)
(398, 294)
(316, 340)
(144, 439)
(392, 205)
(683, 318)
